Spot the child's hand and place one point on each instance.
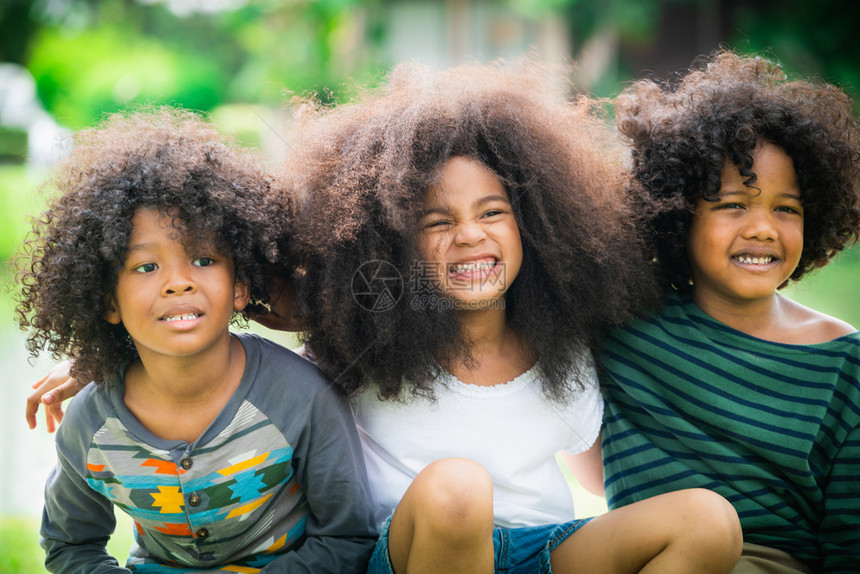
(51, 390)
(283, 312)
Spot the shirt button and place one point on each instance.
(202, 534)
(194, 500)
(186, 463)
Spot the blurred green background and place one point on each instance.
(65, 63)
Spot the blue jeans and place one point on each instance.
(517, 550)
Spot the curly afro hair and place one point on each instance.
(166, 159)
(362, 171)
(682, 135)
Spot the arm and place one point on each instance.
(51, 390)
(839, 530)
(330, 467)
(587, 467)
(76, 521)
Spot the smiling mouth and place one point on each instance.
(759, 260)
(472, 267)
(183, 317)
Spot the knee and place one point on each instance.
(454, 492)
(716, 525)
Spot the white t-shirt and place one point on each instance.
(511, 429)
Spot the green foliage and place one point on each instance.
(82, 75)
(16, 27)
(636, 19)
(92, 57)
(17, 202)
(13, 144)
(809, 38)
(302, 48)
(100, 57)
(833, 289)
(539, 7)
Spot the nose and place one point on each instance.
(760, 225)
(469, 233)
(178, 281)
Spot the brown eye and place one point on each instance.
(789, 209)
(438, 223)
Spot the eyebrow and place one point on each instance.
(491, 198)
(484, 200)
(140, 247)
(755, 191)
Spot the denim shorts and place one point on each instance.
(517, 550)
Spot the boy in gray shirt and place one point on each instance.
(228, 451)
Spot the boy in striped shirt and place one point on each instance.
(751, 181)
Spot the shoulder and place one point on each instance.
(271, 356)
(813, 327)
(90, 404)
(672, 316)
(280, 373)
(85, 415)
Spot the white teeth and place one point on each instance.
(471, 267)
(755, 260)
(186, 317)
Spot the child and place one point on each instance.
(734, 387)
(466, 248)
(229, 452)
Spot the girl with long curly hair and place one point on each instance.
(466, 247)
(227, 450)
(753, 180)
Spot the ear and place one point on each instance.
(241, 294)
(111, 313)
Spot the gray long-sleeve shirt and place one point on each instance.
(276, 483)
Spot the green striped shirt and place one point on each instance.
(774, 428)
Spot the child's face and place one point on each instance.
(747, 244)
(469, 235)
(172, 301)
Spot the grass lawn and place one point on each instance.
(20, 552)
(19, 546)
